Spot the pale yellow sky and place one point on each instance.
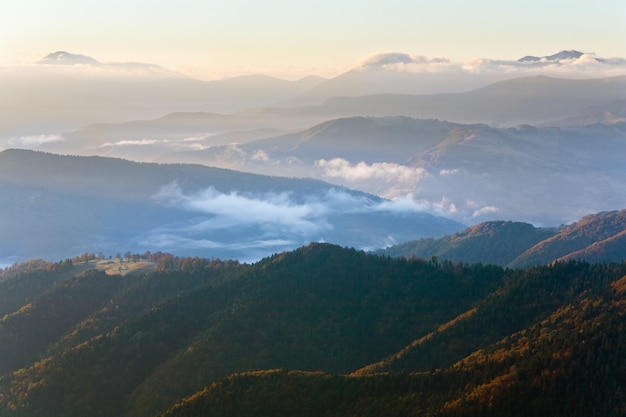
(214, 39)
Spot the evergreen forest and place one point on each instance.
(318, 331)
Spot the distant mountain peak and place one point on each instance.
(559, 56)
(387, 58)
(67, 58)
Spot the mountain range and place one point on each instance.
(599, 237)
(467, 154)
(410, 238)
(58, 206)
(91, 91)
(181, 136)
(402, 73)
(461, 154)
(469, 172)
(559, 56)
(319, 331)
(95, 92)
(523, 100)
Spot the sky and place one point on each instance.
(212, 39)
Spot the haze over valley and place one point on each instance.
(538, 139)
(116, 205)
(328, 209)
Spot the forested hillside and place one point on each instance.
(598, 237)
(320, 331)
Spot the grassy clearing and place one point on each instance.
(116, 266)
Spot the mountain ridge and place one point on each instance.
(596, 237)
(562, 55)
(131, 90)
(320, 330)
(67, 58)
(57, 205)
(398, 73)
(478, 172)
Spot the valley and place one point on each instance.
(534, 146)
(411, 237)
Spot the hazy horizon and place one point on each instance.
(589, 65)
(207, 40)
(483, 134)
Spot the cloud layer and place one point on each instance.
(34, 141)
(387, 171)
(262, 223)
(269, 211)
(587, 64)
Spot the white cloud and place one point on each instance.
(262, 221)
(403, 204)
(387, 58)
(341, 168)
(138, 142)
(471, 203)
(442, 207)
(35, 140)
(187, 143)
(403, 62)
(586, 65)
(198, 138)
(485, 210)
(198, 147)
(225, 210)
(447, 172)
(260, 155)
(80, 65)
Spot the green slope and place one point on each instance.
(494, 242)
(354, 334)
(565, 363)
(595, 238)
(318, 308)
(576, 240)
